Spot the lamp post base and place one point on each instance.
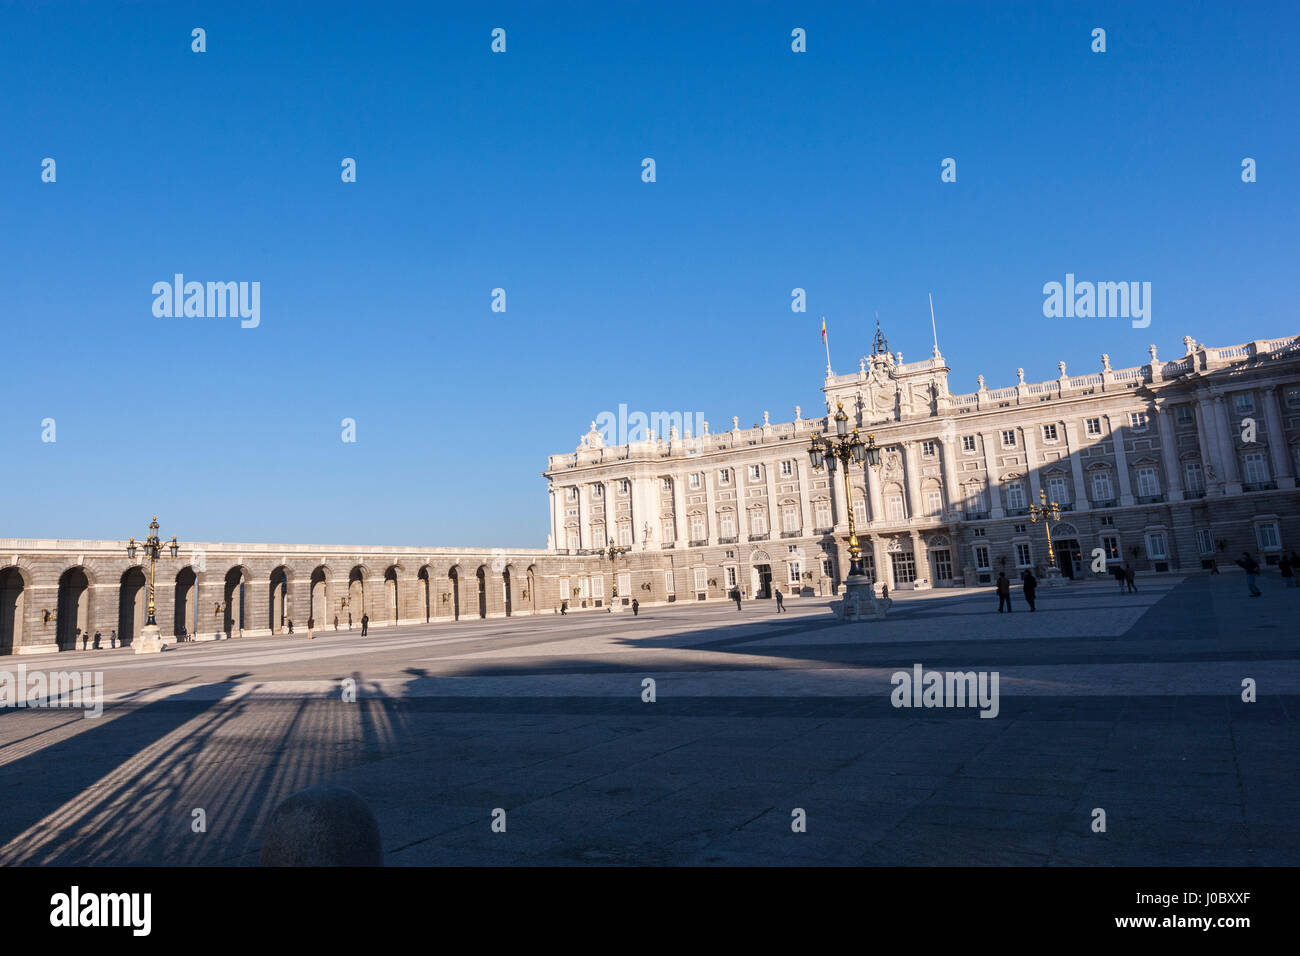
(1053, 578)
(860, 602)
(150, 640)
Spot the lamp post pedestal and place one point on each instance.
(860, 602)
(1053, 578)
(150, 640)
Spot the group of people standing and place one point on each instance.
(1027, 581)
(1288, 566)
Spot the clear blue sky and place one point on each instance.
(775, 170)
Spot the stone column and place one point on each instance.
(710, 504)
(921, 555)
(1207, 442)
(557, 525)
(912, 480)
(1073, 452)
(1121, 462)
(1227, 448)
(801, 467)
(873, 495)
(840, 517)
(774, 526)
(951, 482)
(741, 478)
(991, 469)
(1031, 462)
(1277, 446)
(681, 527)
(1169, 453)
(584, 517)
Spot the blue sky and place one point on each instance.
(522, 170)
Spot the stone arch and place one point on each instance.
(354, 604)
(939, 541)
(453, 582)
(424, 587)
(185, 619)
(132, 604)
(278, 607)
(530, 588)
(392, 593)
(235, 603)
(481, 575)
(13, 607)
(73, 609)
(319, 596)
(1065, 530)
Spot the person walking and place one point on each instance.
(290, 625)
(780, 601)
(1288, 571)
(1004, 592)
(636, 606)
(336, 622)
(735, 596)
(112, 635)
(365, 624)
(1214, 566)
(1129, 575)
(311, 623)
(98, 638)
(564, 607)
(1251, 567)
(1030, 584)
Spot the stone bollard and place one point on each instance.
(322, 826)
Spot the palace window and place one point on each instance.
(1137, 420)
(697, 528)
(758, 522)
(982, 557)
(980, 533)
(1092, 427)
(1049, 433)
(1156, 546)
(1023, 559)
(755, 472)
(933, 502)
(1244, 403)
(724, 476)
(669, 531)
(668, 583)
(1009, 438)
(727, 525)
(1204, 541)
(789, 518)
(967, 442)
(1107, 521)
(1110, 545)
(1195, 476)
(1267, 535)
(668, 484)
(1256, 468)
(624, 486)
(571, 494)
(795, 573)
(1058, 489)
(822, 510)
(1102, 489)
(701, 579)
(598, 491)
(598, 586)
(1293, 396)
(787, 469)
(575, 542)
(1185, 415)
(975, 502)
(1015, 495)
(695, 480)
(625, 534)
(895, 508)
(1019, 529)
(859, 511)
(1148, 482)
(731, 577)
(927, 449)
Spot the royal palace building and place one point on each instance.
(1169, 466)
(1166, 466)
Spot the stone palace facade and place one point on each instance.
(1166, 466)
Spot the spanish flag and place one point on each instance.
(823, 330)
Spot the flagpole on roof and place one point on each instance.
(826, 342)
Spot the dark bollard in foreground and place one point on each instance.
(322, 826)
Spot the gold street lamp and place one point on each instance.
(612, 552)
(846, 448)
(153, 551)
(1047, 513)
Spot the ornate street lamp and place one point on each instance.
(150, 640)
(846, 448)
(1047, 512)
(612, 552)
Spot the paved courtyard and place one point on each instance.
(1126, 702)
